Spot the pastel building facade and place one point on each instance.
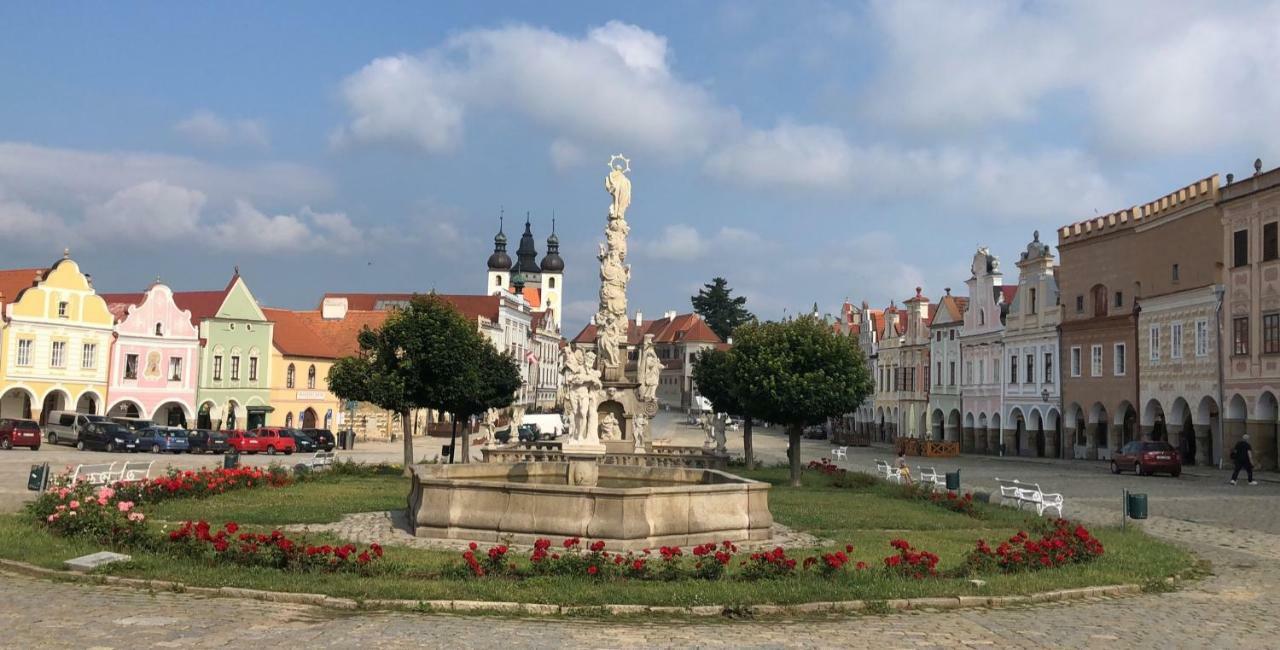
(1032, 390)
(300, 361)
(944, 390)
(155, 360)
(55, 342)
(867, 420)
(888, 414)
(912, 382)
(982, 351)
(233, 390)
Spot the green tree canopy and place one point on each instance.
(798, 373)
(490, 381)
(713, 374)
(722, 311)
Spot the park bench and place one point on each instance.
(134, 471)
(95, 474)
(888, 472)
(321, 460)
(1020, 493)
(840, 453)
(929, 477)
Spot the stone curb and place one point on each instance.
(540, 609)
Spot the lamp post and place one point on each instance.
(1044, 397)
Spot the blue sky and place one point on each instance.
(807, 152)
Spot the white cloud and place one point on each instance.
(152, 210)
(1157, 77)
(683, 243)
(565, 154)
(612, 85)
(207, 128)
(20, 222)
(790, 155)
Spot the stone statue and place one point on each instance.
(490, 424)
(705, 422)
(619, 186)
(609, 342)
(649, 370)
(639, 430)
(582, 382)
(718, 427)
(517, 418)
(609, 429)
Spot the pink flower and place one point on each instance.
(52, 518)
(74, 504)
(125, 506)
(106, 493)
(136, 516)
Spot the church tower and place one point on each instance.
(525, 271)
(553, 276)
(499, 264)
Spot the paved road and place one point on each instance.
(1236, 528)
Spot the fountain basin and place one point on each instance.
(630, 508)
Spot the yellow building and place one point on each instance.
(55, 342)
(305, 346)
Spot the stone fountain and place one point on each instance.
(575, 495)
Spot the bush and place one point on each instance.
(86, 511)
(274, 550)
(910, 562)
(963, 504)
(1064, 543)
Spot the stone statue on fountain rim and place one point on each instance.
(640, 431)
(648, 370)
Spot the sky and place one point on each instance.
(806, 151)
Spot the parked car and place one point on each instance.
(527, 433)
(63, 427)
(303, 442)
(503, 436)
(324, 438)
(19, 433)
(163, 439)
(1147, 457)
(133, 424)
(205, 441)
(244, 442)
(107, 436)
(815, 432)
(274, 440)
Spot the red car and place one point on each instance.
(244, 442)
(1147, 457)
(19, 433)
(275, 440)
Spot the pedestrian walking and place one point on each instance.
(1242, 456)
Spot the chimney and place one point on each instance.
(333, 308)
(639, 318)
(1231, 178)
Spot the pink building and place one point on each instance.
(155, 358)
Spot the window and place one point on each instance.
(175, 368)
(1095, 361)
(62, 309)
(217, 368)
(1079, 304)
(288, 420)
(1033, 300)
(130, 366)
(1013, 369)
(89, 356)
(952, 376)
(1271, 333)
(1048, 367)
(1269, 248)
(253, 368)
(311, 378)
(58, 356)
(1119, 299)
(159, 329)
(1075, 361)
(551, 283)
(1031, 370)
(1118, 360)
(24, 352)
(953, 335)
(982, 317)
(289, 376)
(982, 370)
(1240, 335)
(1175, 341)
(1175, 272)
(1240, 248)
(497, 280)
(937, 373)
(235, 368)
(1099, 300)
(939, 337)
(1153, 341)
(968, 372)
(1202, 338)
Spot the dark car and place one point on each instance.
(815, 432)
(529, 433)
(205, 441)
(107, 436)
(303, 442)
(324, 438)
(163, 439)
(503, 436)
(1147, 457)
(19, 433)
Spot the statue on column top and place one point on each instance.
(619, 186)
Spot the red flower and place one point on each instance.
(232, 527)
(377, 550)
(592, 570)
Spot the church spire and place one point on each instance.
(499, 260)
(527, 253)
(552, 263)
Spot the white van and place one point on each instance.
(63, 427)
(549, 424)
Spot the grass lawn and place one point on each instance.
(867, 517)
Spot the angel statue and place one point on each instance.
(649, 371)
(619, 186)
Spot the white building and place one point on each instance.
(982, 352)
(1032, 391)
(944, 352)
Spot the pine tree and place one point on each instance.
(722, 311)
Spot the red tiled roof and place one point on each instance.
(1009, 291)
(682, 328)
(293, 335)
(471, 306)
(933, 311)
(340, 334)
(201, 304)
(15, 281)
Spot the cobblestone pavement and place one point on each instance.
(1236, 528)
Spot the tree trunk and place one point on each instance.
(453, 437)
(408, 441)
(746, 444)
(793, 452)
(466, 438)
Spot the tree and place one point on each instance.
(723, 312)
(715, 374)
(798, 373)
(490, 381)
(412, 361)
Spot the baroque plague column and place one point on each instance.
(608, 410)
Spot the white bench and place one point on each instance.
(321, 460)
(109, 473)
(1029, 493)
(888, 472)
(840, 453)
(135, 471)
(930, 478)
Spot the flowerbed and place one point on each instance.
(1065, 543)
(842, 477)
(97, 513)
(953, 501)
(274, 550)
(179, 484)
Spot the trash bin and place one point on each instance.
(953, 480)
(231, 460)
(351, 439)
(38, 480)
(1137, 506)
(340, 439)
